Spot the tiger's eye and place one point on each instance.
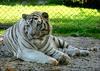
(35, 18)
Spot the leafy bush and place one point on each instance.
(10, 2)
(56, 2)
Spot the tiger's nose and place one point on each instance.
(39, 19)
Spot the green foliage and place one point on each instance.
(21, 2)
(65, 20)
(56, 2)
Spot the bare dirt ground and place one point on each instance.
(89, 63)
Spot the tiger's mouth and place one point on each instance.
(39, 35)
(42, 34)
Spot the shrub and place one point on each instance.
(56, 2)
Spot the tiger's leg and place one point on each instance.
(36, 56)
(68, 49)
(72, 51)
(50, 50)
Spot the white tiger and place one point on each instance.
(30, 40)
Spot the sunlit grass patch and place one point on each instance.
(64, 19)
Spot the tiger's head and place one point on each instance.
(36, 25)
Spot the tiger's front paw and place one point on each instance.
(52, 61)
(65, 59)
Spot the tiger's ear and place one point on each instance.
(24, 16)
(45, 15)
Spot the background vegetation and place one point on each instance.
(66, 21)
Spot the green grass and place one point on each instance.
(65, 20)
